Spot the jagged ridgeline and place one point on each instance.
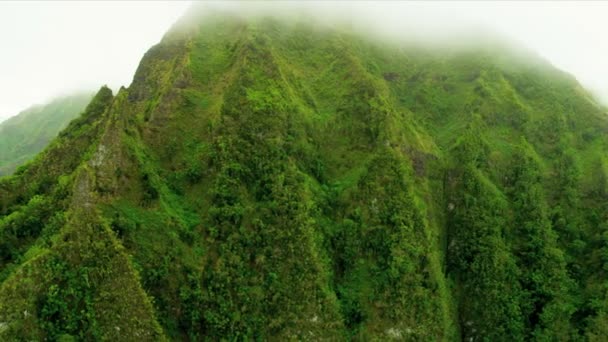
(273, 181)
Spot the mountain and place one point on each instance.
(27, 133)
(269, 180)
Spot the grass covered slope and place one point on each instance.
(26, 134)
(265, 180)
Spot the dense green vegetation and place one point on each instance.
(26, 134)
(263, 180)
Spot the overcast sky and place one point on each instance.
(53, 48)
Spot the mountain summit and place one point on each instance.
(276, 181)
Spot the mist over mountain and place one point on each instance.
(264, 178)
(578, 47)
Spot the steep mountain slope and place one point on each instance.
(26, 134)
(264, 180)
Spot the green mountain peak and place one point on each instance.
(261, 179)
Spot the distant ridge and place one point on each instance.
(27, 133)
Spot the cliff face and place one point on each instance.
(280, 181)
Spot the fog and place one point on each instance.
(50, 49)
(54, 48)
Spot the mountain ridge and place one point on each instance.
(264, 180)
(27, 133)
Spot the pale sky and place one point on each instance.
(54, 48)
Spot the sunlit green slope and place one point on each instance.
(26, 134)
(264, 180)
